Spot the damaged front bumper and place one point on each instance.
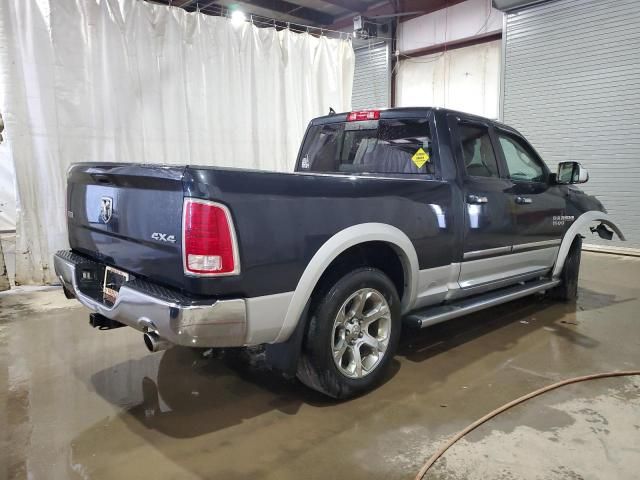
(152, 308)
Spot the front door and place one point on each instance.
(538, 207)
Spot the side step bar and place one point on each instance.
(432, 315)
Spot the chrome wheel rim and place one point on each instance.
(361, 332)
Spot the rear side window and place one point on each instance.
(376, 146)
(477, 151)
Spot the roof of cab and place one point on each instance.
(384, 113)
(412, 111)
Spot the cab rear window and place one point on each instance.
(374, 146)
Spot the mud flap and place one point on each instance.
(284, 356)
(602, 231)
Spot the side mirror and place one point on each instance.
(571, 172)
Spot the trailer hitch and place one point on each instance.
(103, 323)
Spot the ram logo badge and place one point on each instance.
(163, 237)
(106, 209)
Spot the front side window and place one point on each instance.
(477, 151)
(522, 164)
(375, 146)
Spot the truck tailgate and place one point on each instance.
(128, 216)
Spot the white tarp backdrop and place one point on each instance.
(129, 81)
(7, 190)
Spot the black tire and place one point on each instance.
(567, 291)
(316, 367)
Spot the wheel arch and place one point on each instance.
(340, 243)
(581, 223)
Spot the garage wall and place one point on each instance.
(372, 77)
(572, 87)
(466, 79)
(469, 19)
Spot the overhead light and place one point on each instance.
(238, 18)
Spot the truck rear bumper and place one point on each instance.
(148, 307)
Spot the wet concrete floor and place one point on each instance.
(80, 403)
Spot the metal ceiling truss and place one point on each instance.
(283, 7)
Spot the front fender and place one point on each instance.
(581, 223)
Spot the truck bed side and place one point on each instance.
(283, 219)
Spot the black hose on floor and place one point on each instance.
(513, 403)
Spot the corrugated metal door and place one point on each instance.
(372, 77)
(572, 87)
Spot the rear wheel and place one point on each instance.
(353, 334)
(567, 291)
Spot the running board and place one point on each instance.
(432, 315)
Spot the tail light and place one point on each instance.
(209, 246)
(363, 115)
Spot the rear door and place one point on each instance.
(489, 221)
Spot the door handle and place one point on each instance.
(523, 200)
(477, 199)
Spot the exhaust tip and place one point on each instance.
(154, 342)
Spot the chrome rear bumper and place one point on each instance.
(151, 308)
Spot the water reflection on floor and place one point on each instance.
(79, 403)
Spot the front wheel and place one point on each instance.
(353, 334)
(567, 291)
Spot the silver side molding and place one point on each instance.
(435, 284)
(532, 245)
(490, 252)
(492, 269)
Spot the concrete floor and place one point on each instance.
(79, 403)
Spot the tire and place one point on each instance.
(338, 327)
(567, 291)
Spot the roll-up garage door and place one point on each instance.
(572, 87)
(372, 77)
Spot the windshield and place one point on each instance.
(378, 146)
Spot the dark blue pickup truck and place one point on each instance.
(402, 216)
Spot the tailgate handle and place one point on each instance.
(101, 178)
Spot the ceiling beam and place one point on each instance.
(287, 8)
(351, 5)
(423, 6)
(283, 7)
(183, 3)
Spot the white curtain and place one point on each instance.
(130, 81)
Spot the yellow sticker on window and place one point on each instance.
(420, 157)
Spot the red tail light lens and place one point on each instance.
(209, 244)
(363, 115)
